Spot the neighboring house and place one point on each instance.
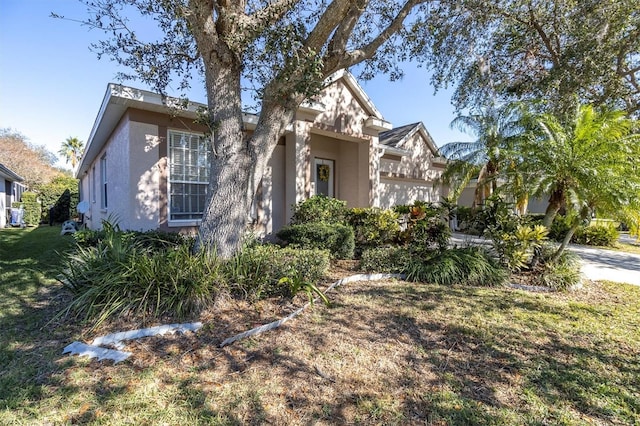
(10, 191)
(534, 205)
(147, 166)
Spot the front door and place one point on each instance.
(324, 170)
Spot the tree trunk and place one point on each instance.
(238, 161)
(555, 204)
(480, 193)
(565, 242)
(225, 213)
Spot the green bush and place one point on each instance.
(559, 228)
(516, 247)
(373, 226)
(319, 208)
(53, 195)
(429, 234)
(468, 266)
(32, 208)
(118, 276)
(593, 235)
(337, 238)
(268, 270)
(465, 216)
(596, 235)
(390, 260)
(560, 275)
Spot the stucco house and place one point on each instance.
(147, 165)
(10, 191)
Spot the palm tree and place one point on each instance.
(492, 128)
(72, 149)
(589, 163)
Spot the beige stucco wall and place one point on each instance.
(144, 191)
(405, 179)
(118, 181)
(402, 191)
(343, 111)
(417, 165)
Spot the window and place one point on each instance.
(103, 182)
(92, 188)
(189, 159)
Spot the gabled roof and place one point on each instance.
(357, 90)
(397, 137)
(7, 173)
(119, 98)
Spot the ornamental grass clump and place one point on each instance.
(120, 276)
(458, 266)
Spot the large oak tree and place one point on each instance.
(565, 52)
(282, 49)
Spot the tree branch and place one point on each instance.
(253, 25)
(367, 52)
(333, 15)
(340, 38)
(545, 38)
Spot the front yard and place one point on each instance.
(386, 352)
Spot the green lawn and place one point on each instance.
(387, 352)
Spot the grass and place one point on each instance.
(385, 353)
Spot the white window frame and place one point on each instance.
(104, 191)
(172, 135)
(92, 185)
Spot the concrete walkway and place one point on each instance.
(597, 264)
(602, 264)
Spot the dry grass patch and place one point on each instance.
(385, 353)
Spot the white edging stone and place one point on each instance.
(95, 351)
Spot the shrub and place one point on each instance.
(118, 276)
(373, 226)
(337, 238)
(319, 208)
(32, 208)
(559, 228)
(516, 248)
(62, 194)
(429, 234)
(262, 270)
(596, 235)
(419, 210)
(391, 260)
(593, 235)
(465, 216)
(470, 266)
(560, 275)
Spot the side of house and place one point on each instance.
(146, 166)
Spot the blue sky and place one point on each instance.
(51, 84)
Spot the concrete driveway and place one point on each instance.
(601, 264)
(597, 264)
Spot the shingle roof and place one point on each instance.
(10, 174)
(395, 136)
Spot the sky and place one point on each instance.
(52, 85)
